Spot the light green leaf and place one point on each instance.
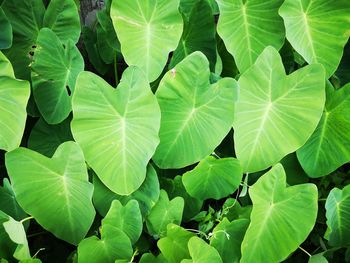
(281, 215)
(270, 119)
(174, 245)
(55, 68)
(201, 252)
(60, 193)
(116, 128)
(318, 258)
(6, 67)
(6, 31)
(248, 27)
(213, 178)
(318, 29)
(326, 150)
(149, 258)
(164, 213)
(157, 25)
(338, 217)
(196, 115)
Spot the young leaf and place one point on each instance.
(116, 128)
(201, 252)
(60, 193)
(281, 215)
(196, 115)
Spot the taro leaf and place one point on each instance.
(327, 148)
(248, 27)
(270, 120)
(343, 71)
(148, 31)
(196, 116)
(338, 218)
(127, 218)
(318, 258)
(163, 213)
(55, 68)
(7, 247)
(213, 178)
(294, 171)
(281, 215)
(318, 29)
(227, 238)
(63, 18)
(186, 7)
(60, 191)
(116, 128)
(150, 258)
(45, 138)
(174, 245)
(199, 34)
(114, 244)
(147, 195)
(6, 31)
(201, 252)
(14, 96)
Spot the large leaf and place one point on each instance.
(14, 95)
(213, 178)
(148, 31)
(338, 217)
(55, 68)
(201, 252)
(116, 128)
(6, 31)
(270, 119)
(327, 148)
(196, 115)
(283, 216)
(60, 193)
(318, 29)
(248, 27)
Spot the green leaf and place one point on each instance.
(196, 115)
(326, 150)
(318, 30)
(318, 258)
(338, 220)
(45, 138)
(174, 245)
(7, 246)
(55, 68)
(14, 96)
(163, 213)
(155, 24)
(201, 252)
(60, 201)
(199, 34)
(248, 27)
(117, 129)
(227, 238)
(149, 258)
(281, 215)
(270, 119)
(6, 31)
(213, 178)
(127, 218)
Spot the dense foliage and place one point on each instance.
(168, 131)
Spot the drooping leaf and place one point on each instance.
(196, 115)
(6, 31)
(270, 119)
(213, 178)
(61, 194)
(327, 148)
(155, 24)
(248, 27)
(201, 252)
(163, 213)
(117, 129)
(281, 215)
(55, 68)
(318, 30)
(338, 217)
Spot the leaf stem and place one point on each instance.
(307, 253)
(26, 219)
(116, 68)
(136, 252)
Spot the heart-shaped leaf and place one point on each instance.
(213, 178)
(55, 68)
(281, 215)
(155, 24)
(116, 128)
(201, 252)
(6, 31)
(270, 119)
(326, 150)
(248, 27)
(196, 115)
(60, 191)
(318, 29)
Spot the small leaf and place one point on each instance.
(201, 252)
